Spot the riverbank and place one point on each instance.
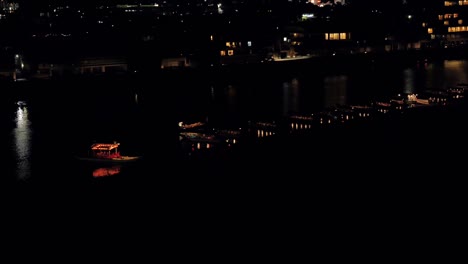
(342, 61)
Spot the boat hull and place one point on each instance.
(122, 159)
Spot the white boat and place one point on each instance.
(21, 103)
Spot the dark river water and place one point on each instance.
(63, 118)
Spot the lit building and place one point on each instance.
(239, 51)
(449, 26)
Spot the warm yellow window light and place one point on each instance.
(449, 3)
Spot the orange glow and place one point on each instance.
(106, 147)
(104, 172)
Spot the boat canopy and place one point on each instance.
(105, 146)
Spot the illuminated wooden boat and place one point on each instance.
(107, 152)
(197, 126)
(198, 137)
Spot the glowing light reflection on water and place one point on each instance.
(22, 135)
(106, 171)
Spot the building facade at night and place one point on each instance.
(448, 26)
(176, 34)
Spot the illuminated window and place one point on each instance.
(249, 43)
(441, 17)
(223, 53)
(460, 22)
(228, 44)
(446, 22)
(455, 15)
(430, 30)
(230, 52)
(424, 24)
(457, 29)
(337, 36)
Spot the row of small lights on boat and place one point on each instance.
(262, 133)
(200, 145)
(344, 118)
(384, 110)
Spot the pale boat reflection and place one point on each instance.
(335, 90)
(409, 81)
(23, 141)
(105, 172)
(458, 72)
(291, 94)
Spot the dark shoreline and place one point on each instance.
(319, 64)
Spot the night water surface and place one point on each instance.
(61, 119)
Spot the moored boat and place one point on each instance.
(192, 127)
(108, 153)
